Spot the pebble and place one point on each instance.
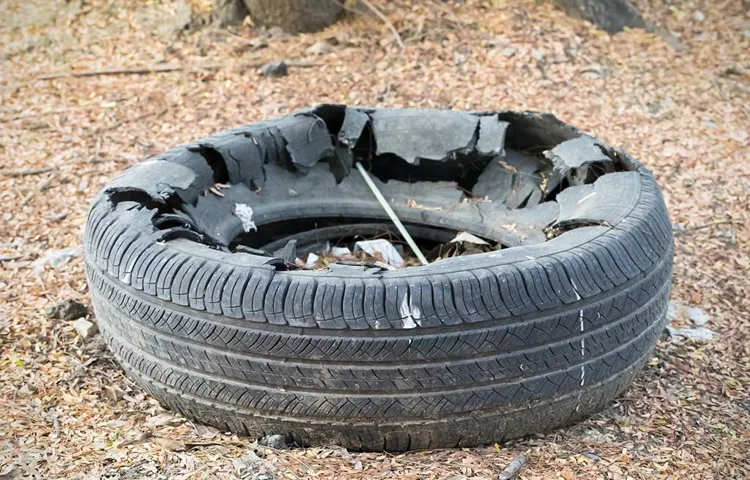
(320, 48)
(68, 310)
(498, 42)
(274, 69)
(85, 328)
(277, 442)
(509, 52)
(695, 334)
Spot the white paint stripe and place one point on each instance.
(586, 197)
(583, 349)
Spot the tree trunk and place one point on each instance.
(229, 12)
(294, 16)
(611, 15)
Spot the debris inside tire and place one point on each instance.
(251, 280)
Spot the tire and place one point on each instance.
(462, 352)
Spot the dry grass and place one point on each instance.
(67, 411)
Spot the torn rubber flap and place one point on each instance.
(157, 178)
(307, 139)
(608, 200)
(210, 214)
(414, 133)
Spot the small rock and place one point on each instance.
(458, 477)
(320, 48)
(277, 32)
(679, 228)
(676, 310)
(274, 69)
(277, 442)
(698, 316)
(710, 125)
(54, 257)
(252, 467)
(258, 43)
(597, 436)
(498, 42)
(164, 419)
(699, 16)
(254, 44)
(592, 456)
(85, 328)
(509, 52)
(538, 55)
(68, 310)
(695, 334)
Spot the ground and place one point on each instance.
(681, 107)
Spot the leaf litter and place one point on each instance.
(68, 411)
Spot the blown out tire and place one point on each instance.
(462, 352)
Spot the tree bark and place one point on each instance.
(229, 12)
(610, 15)
(294, 16)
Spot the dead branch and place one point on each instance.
(23, 173)
(715, 224)
(121, 71)
(117, 124)
(387, 22)
(40, 188)
(513, 469)
(164, 69)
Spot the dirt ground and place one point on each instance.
(66, 409)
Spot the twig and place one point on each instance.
(101, 130)
(391, 214)
(714, 224)
(42, 187)
(387, 22)
(119, 71)
(665, 35)
(164, 68)
(514, 468)
(23, 173)
(67, 109)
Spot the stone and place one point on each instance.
(274, 69)
(85, 328)
(277, 442)
(68, 310)
(320, 48)
(700, 334)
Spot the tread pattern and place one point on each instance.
(499, 351)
